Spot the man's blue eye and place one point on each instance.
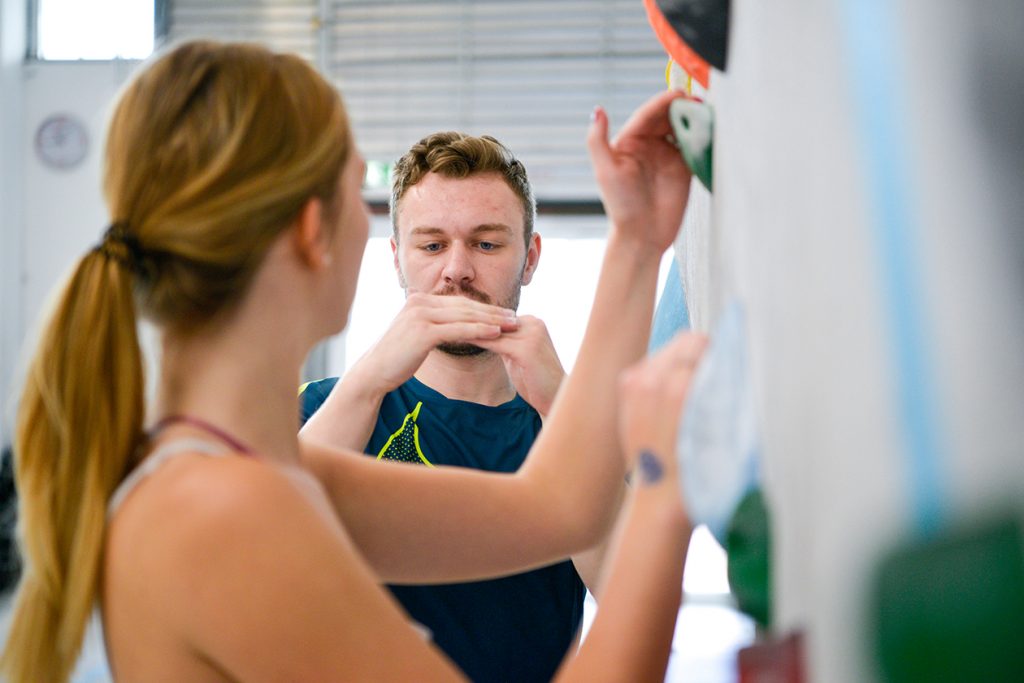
(432, 246)
(488, 246)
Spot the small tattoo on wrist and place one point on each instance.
(649, 468)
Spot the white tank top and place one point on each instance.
(157, 458)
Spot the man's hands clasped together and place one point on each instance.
(425, 321)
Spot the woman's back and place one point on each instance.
(145, 594)
(195, 566)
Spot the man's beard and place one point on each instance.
(462, 349)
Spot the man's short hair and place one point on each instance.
(457, 155)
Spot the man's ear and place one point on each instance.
(398, 266)
(532, 259)
(309, 237)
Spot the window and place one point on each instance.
(527, 72)
(96, 30)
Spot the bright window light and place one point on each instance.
(98, 29)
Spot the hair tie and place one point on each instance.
(122, 246)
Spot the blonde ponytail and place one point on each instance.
(79, 423)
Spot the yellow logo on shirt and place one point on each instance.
(404, 444)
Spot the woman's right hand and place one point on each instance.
(643, 179)
(652, 393)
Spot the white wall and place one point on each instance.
(64, 211)
(12, 50)
(50, 216)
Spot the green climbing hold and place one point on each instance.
(693, 126)
(748, 547)
(950, 607)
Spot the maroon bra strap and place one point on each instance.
(205, 426)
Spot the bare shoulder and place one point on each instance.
(205, 506)
(207, 550)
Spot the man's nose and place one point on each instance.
(458, 267)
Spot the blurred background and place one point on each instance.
(867, 220)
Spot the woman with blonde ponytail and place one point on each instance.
(215, 547)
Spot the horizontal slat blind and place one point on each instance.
(528, 71)
(284, 25)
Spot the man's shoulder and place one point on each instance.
(313, 394)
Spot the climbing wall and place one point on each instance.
(867, 217)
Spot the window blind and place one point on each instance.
(283, 25)
(527, 72)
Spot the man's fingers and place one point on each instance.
(439, 309)
(514, 345)
(470, 315)
(450, 301)
(466, 332)
(501, 344)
